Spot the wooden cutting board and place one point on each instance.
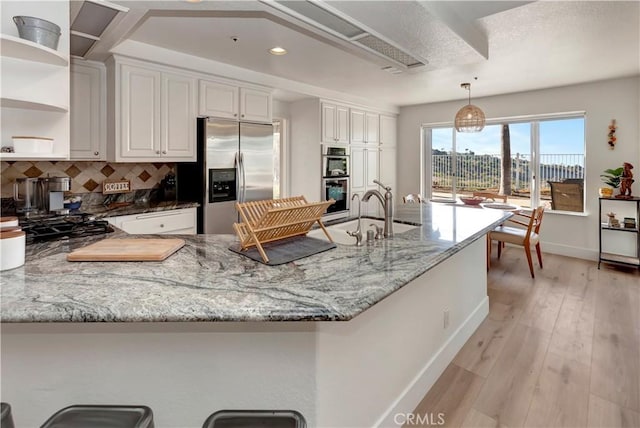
(127, 250)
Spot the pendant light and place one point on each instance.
(469, 118)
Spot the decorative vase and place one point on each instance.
(605, 192)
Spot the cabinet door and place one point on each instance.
(328, 123)
(358, 169)
(388, 130)
(357, 127)
(178, 117)
(371, 126)
(342, 124)
(388, 167)
(218, 99)
(255, 105)
(372, 160)
(88, 112)
(139, 112)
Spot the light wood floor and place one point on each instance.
(560, 350)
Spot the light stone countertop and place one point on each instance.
(204, 281)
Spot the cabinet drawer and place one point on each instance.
(160, 223)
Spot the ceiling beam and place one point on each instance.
(464, 28)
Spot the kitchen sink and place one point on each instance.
(339, 231)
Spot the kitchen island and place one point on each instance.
(150, 333)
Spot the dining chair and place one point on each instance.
(493, 196)
(524, 236)
(412, 198)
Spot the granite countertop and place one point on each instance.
(205, 281)
(100, 211)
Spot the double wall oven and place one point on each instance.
(335, 178)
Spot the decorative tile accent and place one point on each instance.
(85, 176)
(144, 176)
(72, 171)
(90, 185)
(107, 170)
(33, 172)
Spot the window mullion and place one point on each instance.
(535, 164)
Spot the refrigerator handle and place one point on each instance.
(244, 178)
(238, 168)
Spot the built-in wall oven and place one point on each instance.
(335, 178)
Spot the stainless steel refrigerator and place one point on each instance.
(235, 164)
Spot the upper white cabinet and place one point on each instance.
(153, 113)
(388, 131)
(88, 111)
(34, 95)
(364, 127)
(335, 123)
(233, 102)
(255, 105)
(219, 100)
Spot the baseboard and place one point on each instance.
(565, 250)
(424, 380)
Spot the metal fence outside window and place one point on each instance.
(478, 172)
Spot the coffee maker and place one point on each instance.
(38, 196)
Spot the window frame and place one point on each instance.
(534, 120)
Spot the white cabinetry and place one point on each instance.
(88, 111)
(364, 169)
(335, 123)
(388, 170)
(172, 222)
(35, 82)
(153, 113)
(388, 131)
(232, 102)
(364, 127)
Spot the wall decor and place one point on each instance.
(612, 135)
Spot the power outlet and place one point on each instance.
(446, 318)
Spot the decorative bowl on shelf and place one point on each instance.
(472, 200)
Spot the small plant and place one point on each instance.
(611, 177)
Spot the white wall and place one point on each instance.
(602, 101)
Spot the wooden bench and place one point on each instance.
(275, 219)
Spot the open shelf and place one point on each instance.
(16, 47)
(617, 258)
(32, 105)
(620, 229)
(31, 156)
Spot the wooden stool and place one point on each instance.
(100, 416)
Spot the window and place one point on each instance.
(546, 164)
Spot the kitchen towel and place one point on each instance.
(286, 250)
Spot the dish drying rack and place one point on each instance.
(274, 219)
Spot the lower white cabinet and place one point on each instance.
(364, 169)
(388, 174)
(171, 222)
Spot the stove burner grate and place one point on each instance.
(63, 227)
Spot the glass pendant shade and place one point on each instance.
(469, 119)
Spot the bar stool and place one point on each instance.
(255, 419)
(6, 421)
(101, 416)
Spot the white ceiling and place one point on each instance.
(530, 45)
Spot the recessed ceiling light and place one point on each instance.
(277, 51)
(193, 1)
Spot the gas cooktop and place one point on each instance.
(63, 227)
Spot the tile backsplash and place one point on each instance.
(86, 177)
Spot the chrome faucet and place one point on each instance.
(387, 204)
(358, 232)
